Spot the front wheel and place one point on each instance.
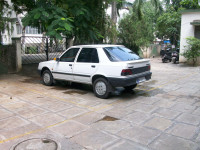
(129, 88)
(101, 88)
(47, 78)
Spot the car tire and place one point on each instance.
(101, 88)
(129, 88)
(47, 78)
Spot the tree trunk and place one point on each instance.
(0, 38)
(114, 20)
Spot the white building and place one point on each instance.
(17, 29)
(190, 27)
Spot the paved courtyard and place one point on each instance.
(162, 114)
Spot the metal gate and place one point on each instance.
(38, 49)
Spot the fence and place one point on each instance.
(38, 49)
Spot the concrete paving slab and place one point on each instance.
(56, 106)
(189, 118)
(137, 118)
(89, 118)
(69, 129)
(4, 113)
(139, 134)
(94, 139)
(166, 113)
(169, 142)
(158, 123)
(125, 145)
(111, 126)
(12, 122)
(72, 112)
(183, 107)
(183, 130)
(118, 112)
(197, 111)
(47, 119)
(143, 108)
(29, 112)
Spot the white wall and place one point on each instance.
(187, 30)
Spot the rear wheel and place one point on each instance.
(101, 88)
(47, 78)
(129, 88)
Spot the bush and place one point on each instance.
(31, 50)
(192, 50)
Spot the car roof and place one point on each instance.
(96, 46)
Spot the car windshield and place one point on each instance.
(120, 54)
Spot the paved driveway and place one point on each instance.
(162, 114)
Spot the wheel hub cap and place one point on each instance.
(100, 88)
(46, 78)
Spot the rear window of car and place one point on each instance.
(120, 54)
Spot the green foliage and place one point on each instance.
(172, 5)
(50, 18)
(82, 19)
(31, 50)
(111, 30)
(168, 26)
(4, 17)
(192, 51)
(138, 31)
(190, 4)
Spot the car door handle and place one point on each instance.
(70, 64)
(93, 66)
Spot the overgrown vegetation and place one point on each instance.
(136, 30)
(192, 50)
(4, 18)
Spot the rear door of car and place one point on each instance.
(86, 65)
(63, 69)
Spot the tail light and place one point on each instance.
(126, 72)
(149, 67)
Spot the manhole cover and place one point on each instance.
(37, 144)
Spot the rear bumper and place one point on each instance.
(122, 82)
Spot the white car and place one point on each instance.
(102, 66)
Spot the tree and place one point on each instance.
(81, 21)
(136, 32)
(173, 5)
(137, 29)
(168, 26)
(50, 19)
(4, 17)
(192, 51)
(188, 4)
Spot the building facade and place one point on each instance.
(190, 27)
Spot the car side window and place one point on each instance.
(70, 55)
(88, 55)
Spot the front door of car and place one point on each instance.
(86, 65)
(63, 69)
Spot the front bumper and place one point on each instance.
(122, 82)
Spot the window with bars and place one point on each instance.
(28, 30)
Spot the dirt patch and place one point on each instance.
(34, 80)
(75, 92)
(109, 118)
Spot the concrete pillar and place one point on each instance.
(17, 53)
